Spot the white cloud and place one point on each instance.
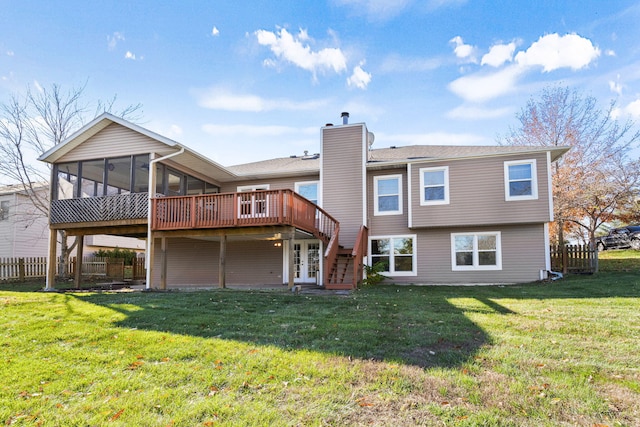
(481, 87)
(632, 109)
(477, 113)
(552, 52)
(610, 52)
(615, 87)
(174, 131)
(464, 52)
(256, 131)
(222, 99)
(130, 55)
(292, 49)
(359, 78)
(10, 53)
(499, 54)
(215, 31)
(112, 40)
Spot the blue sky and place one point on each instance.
(249, 80)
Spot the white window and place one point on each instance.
(387, 194)
(476, 251)
(309, 190)
(434, 186)
(520, 182)
(252, 204)
(397, 253)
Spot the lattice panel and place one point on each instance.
(94, 209)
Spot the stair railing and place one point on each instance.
(358, 254)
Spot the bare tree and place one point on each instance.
(596, 181)
(31, 124)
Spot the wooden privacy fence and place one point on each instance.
(36, 268)
(23, 268)
(113, 268)
(574, 259)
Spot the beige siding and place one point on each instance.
(98, 241)
(25, 232)
(114, 141)
(343, 151)
(287, 183)
(523, 256)
(195, 262)
(387, 224)
(477, 195)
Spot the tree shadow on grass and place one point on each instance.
(406, 325)
(412, 325)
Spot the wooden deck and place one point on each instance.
(208, 213)
(249, 209)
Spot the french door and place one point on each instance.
(306, 258)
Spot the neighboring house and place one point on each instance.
(24, 229)
(430, 214)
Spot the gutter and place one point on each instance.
(152, 175)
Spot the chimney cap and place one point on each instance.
(344, 114)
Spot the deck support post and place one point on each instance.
(292, 261)
(222, 261)
(163, 263)
(52, 262)
(149, 259)
(79, 255)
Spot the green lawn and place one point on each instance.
(543, 354)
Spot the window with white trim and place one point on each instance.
(252, 204)
(476, 251)
(308, 190)
(397, 253)
(434, 186)
(387, 195)
(520, 180)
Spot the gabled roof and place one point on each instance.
(188, 157)
(419, 153)
(294, 165)
(298, 165)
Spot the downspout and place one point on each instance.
(152, 179)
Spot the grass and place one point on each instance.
(543, 354)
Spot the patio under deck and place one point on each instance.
(270, 212)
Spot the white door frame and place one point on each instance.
(304, 255)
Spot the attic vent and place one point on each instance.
(310, 156)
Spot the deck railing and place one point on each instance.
(97, 209)
(245, 209)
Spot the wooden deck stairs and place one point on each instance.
(346, 266)
(341, 271)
